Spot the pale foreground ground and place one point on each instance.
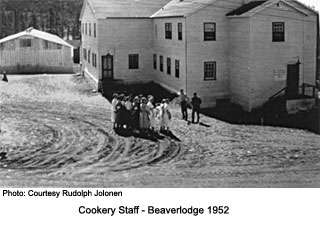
(57, 133)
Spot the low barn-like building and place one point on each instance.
(241, 50)
(34, 51)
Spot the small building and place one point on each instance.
(34, 51)
(241, 50)
(76, 50)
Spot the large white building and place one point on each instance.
(34, 51)
(241, 50)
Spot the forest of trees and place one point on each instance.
(60, 17)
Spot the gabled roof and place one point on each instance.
(180, 8)
(124, 8)
(39, 34)
(255, 7)
(245, 8)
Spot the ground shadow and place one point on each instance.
(118, 86)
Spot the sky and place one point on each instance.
(315, 3)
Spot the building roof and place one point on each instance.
(255, 7)
(179, 8)
(125, 8)
(245, 8)
(74, 43)
(39, 34)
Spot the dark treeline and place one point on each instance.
(60, 17)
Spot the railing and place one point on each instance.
(305, 87)
(278, 93)
(303, 91)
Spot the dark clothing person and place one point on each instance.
(195, 101)
(184, 104)
(135, 115)
(119, 115)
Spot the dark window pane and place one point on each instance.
(169, 66)
(177, 68)
(133, 61)
(168, 30)
(209, 31)
(210, 70)
(161, 63)
(278, 31)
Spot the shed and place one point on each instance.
(34, 51)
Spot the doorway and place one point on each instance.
(107, 67)
(292, 90)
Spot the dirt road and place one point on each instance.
(57, 133)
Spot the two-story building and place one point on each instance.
(238, 49)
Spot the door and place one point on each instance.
(292, 90)
(107, 67)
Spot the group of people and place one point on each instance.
(139, 114)
(194, 104)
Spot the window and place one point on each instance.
(133, 61)
(25, 43)
(161, 63)
(180, 31)
(89, 29)
(59, 46)
(93, 59)
(209, 31)
(84, 54)
(94, 30)
(89, 56)
(169, 66)
(277, 31)
(86, 29)
(156, 30)
(154, 61)
(45, 44)
(177, 68)
(210, 70)
(168, 29)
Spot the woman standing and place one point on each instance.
(144, 115)
(135, 114)
(152, 115)
(113, 109)
(164, 115)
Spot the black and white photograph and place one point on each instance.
(159, 94)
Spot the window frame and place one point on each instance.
(210, 74)
(89, 52)
(133, 61)
(84, 53)
(25, 42)
(94, 30)
(86, 29)
(209, 36)
(276, 35)
(161, 63)
(168, 65)
(177, 68)
(168, 30)
(155, 61)
(179, 31)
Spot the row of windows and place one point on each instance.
(24, 43)
(209, 31)
(176, 65)
(87, 55)
(84, 29)
(168, 31)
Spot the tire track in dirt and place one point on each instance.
(76, 144)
